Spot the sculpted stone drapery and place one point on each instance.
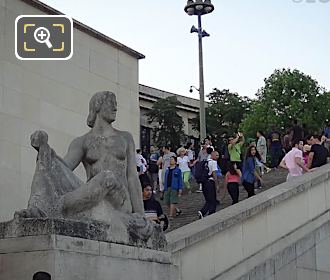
(112, 193)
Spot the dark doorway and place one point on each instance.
(41, 275)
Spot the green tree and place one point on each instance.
(287, 95)
(168, 128)
(224, 113)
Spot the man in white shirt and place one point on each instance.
(210, 187)
(204, 154)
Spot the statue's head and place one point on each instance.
(102, 103)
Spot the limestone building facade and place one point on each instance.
(54, 96)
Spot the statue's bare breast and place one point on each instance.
(105, 153)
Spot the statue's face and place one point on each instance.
(109, 110)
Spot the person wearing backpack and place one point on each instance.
(199, 164)
(210, 186)
(202, 156)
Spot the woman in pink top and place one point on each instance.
(232, 179)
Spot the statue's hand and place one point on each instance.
(38, 138)
(115, 188)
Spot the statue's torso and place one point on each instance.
(105, 153)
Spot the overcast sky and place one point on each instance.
(249, 39)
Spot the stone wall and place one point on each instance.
(68, 258)
(54, 96)
(306, 259)
(252, 238)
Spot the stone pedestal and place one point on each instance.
(65, 257)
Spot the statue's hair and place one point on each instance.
(95, 105)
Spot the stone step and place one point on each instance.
(191, 203)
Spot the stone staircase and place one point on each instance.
(191, 203)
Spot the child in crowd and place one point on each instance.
(141, 163)
(172, 187)
(232, 179)
(184, 165)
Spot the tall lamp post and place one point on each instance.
(199, 8)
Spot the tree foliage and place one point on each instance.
(168, 128)
(287, 95)
(224, 112)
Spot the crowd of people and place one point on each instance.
(240, 161)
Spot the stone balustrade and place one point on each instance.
(251, 240)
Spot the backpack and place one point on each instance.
(202, 171)
(153, 167)
(219, 171)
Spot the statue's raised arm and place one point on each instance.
(75, 153)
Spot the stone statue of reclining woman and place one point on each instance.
(112, 193)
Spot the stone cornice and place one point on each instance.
(86, 29)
